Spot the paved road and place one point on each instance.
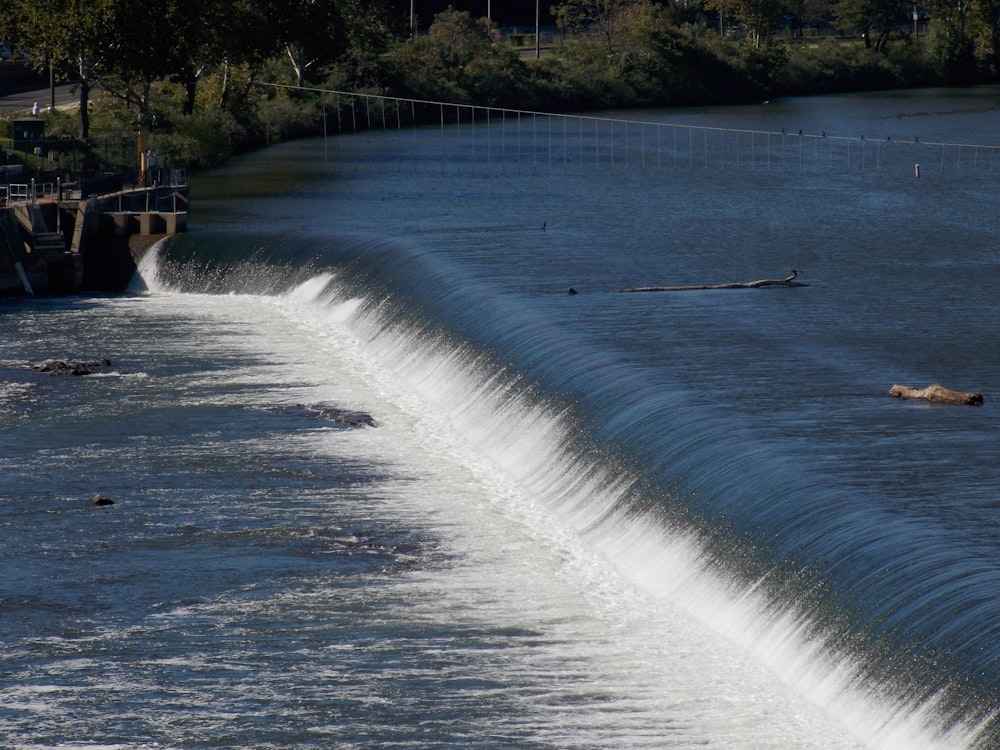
(23, 101)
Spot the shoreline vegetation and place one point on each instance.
(185, 75)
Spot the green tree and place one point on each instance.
(665, 63)
(758, 18)
(653, 61)
(156, 40)
(601, 19)
(986, 34)
(370, 28)
(954, 49)
(872, 18)
(808, 12)
(185, 40)
(310, 32)
(69, 38)
(457, 62)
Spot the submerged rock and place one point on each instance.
(72, 367)
(326, 413)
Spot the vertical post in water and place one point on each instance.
(549, 125)
(597, 144)
(326, 147)
(612, 144)
(642, 144)
(518, 141)
(626, 145)
(472, 124)
(503, 137)
(458, 132)
(534, 140)
(565, 121)
(625, 123)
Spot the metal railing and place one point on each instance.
(471, 133)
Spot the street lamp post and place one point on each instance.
(538, 32)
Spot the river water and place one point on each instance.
(380, 481)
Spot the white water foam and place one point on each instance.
(748, 675)
(638, 643)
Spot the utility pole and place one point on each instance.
(538, 31)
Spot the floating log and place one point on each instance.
(759, 283)
(936, 393)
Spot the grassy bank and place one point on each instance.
(661, 57)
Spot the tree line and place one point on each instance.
(189, 68)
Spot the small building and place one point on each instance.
(29, 133)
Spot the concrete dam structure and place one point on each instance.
(67, 239)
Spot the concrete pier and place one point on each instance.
(73, 240)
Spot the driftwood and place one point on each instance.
(787, 281)
(937, 394)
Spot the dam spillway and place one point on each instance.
(88, 236)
